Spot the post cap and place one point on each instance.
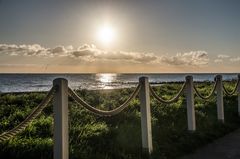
(60, 79)
(57, 81)
(189, 78)
(143, 78)
(218, 77)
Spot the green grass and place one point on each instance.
(119, 137)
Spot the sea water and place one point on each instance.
(43, 82)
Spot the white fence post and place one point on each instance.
(220, 107)
(60, 111)
(238, 94)
(145, 115)
(190, 104)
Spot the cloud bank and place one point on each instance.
(90, 53)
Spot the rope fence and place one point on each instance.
(233, 91)
(208, 96)
(161, 100)
(60, 93)
(99, 112)
(35, 112)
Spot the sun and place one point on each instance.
(106, 34)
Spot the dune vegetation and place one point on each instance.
(118, 137)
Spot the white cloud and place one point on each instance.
(15, 50)
(221, 56)
(90, 53)
(235, 59)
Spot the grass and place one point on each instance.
(119, 137)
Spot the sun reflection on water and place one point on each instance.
(106, 80)
(106, 77)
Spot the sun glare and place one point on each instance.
(106, 80)
(106, 77)
(106, 34)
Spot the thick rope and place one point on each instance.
(208, 96)
(167, 101)
(36, 111)
(233, 91)
(103, 112)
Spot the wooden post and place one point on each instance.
(220, 107)
(145, 115)
(238, 94)
(190, 104)
(60, 111)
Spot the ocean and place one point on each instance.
(43, 82)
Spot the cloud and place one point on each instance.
(58, 49)
(95, 54)
(15, 50)
(235, 59)
(221, 56)
(90, 53)
(134, 57)
(190, 58)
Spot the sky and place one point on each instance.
(93, 36)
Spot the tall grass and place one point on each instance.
(119, 136)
